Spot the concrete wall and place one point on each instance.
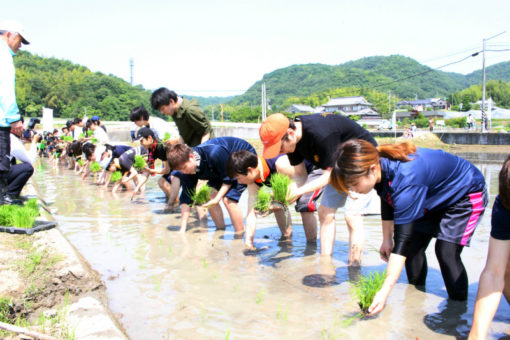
(474, 138)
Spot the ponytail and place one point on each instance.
(397, 152)
(354, 158)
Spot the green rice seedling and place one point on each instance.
(205, 264)
(260, 297)
(167, 136)
(6, 214)
(280, 184)
(22, 217)
(33, 207)
(82, 135)
(67, 138)
(116, 176)
(90, 133)
(227, 335)
(95, 167)
(366, 288)
(80, 162)
(93, 140)
(203, 195)
(139, 163)
(263, 199)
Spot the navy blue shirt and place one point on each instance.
(119, 150)
(431, 181)
(500, 221)
(322, 135)
(213, 156)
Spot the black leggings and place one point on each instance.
(448, 255)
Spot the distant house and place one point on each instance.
(296, 108)
(425, 104)
(348, 105)
(401, 115)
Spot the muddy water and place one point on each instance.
(163, 285)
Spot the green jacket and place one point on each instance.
(192, 122)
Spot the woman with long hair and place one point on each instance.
(424, 193)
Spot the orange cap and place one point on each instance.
(271, 132)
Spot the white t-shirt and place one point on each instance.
(160, 127)
(101, 136)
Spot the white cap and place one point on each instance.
(15, 27)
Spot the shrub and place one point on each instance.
(456, 122)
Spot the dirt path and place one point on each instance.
(47, 287)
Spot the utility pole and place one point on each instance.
(484, 114)
(131, 65)
(264, 101)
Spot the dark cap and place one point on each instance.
(144, 133)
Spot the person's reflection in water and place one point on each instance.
(310, 249)
(449, 319)
(325, 278)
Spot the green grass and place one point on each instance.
(6, 309)
(280, 185)
(95, 167)
(203, 195)
(263, 199)
(116, 176)
(366, 288)
(140, 163)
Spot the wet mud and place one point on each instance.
(165, 285)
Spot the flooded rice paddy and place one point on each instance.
(201, 285)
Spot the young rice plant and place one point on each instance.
(139, 164)
(116, 176)
(280, 184)
(366, 288)
(263, 199)
(95, 167)
(203, 195)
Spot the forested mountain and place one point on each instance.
(71, 90)
(403, 76)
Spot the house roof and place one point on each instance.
(428, 101)
(300, 108)
(345, 101)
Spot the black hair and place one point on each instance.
(139, 113)
(504, 184)
(239, 162)
(292, 126)
(69, 123)
(75, 148)
(88, 149)
(77, 120)
(162, 97)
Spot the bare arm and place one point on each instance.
(221, 193)
(311, 186)
(251, 218)
(387, 243)
(492, 283)
(393, 270)
(185, 211)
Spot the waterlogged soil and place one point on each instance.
(165, 285)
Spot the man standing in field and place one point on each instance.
(12, 36)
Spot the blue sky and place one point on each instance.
(222, 47)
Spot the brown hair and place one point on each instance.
(354, 158)
(178, 154)
(504, 184)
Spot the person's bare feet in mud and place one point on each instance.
(355, 255)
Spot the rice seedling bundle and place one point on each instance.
(280, 185)
(202, 195)
(95, 167)
(139, 163)
(67, 138)
(366, 288)
(167, 136)
(263, 199)
(80, 161)
(116, 176)
(23, 218)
